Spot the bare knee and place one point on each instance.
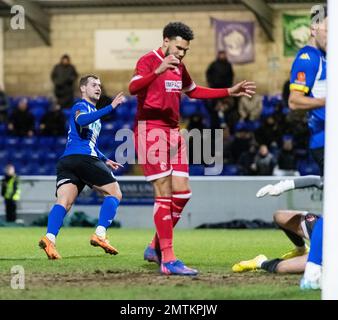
(163, 187)
(278, 217)
(117, 194)
(66, 203)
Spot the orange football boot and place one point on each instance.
(49, 247)
(97, 241)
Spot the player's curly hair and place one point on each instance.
(178, 29)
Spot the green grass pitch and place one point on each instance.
(85, 272)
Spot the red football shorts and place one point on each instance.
(161, 152)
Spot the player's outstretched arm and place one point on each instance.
(86, 118)
(286, 185)
(276, 189)
(243, 88)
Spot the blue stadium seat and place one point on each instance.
(12, 143)
(230, 170)
(123, 112)
(42, 170)
(47, 142)
(38, 113)
(36, 156)
(67, 112)
(3, 130)
(51, 156)
(40, 101)
(3, 156)
(29, 142)
(308, 167)
(61, 142)
(189, 107)
(24, 170)
(18, 155)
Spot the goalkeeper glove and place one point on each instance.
(276, 189)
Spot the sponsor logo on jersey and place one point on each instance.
(173, 86)
(305, 56)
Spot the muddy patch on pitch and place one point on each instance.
(106, 278)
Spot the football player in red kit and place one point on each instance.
(159, 80)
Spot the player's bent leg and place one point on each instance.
(181, 194)
(66, 195)
(294, 265)
(290, 222)
(112, 197)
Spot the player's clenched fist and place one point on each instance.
(169, 62)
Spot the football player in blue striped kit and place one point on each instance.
(308, 84)
(308, 92)
(82, 164)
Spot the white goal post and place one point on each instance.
(330, 244)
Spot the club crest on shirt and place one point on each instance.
(173, 85)
(163, 166)
(301, 78)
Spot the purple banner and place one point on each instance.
(236, 38)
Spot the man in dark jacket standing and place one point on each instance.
(11, 192)
(220, 73)
(64, 76)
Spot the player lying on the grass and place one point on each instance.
(313, 264)
(83, 164)
(297, 225)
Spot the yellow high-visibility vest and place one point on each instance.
(10, 189)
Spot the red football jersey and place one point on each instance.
(159, 103)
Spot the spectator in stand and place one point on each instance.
(21, 121)
(64, 76)
(227, 146)
(246, 160)
(250, 109)
(269, 133)
(287, 159)
(195, 122)
(242, 141)
(4, 105)
(224, 114)
(286, 93)
(53, 123)
(297, 126)
(264, 162)
(220, 73)
(218, 116)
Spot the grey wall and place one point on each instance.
(214, 200)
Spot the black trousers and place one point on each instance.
(318, 156)
(10, 210)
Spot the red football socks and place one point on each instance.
(164, 227)
(179, 201)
